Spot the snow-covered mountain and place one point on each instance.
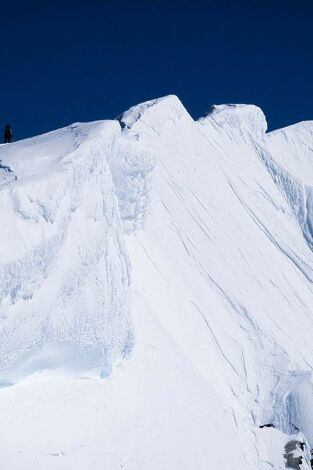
(156, 293)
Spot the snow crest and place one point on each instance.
(238, 120)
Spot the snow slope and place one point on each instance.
(215, 219)
(62, 255)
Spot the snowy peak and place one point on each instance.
(215, 219)
(153, 115)
(161, 114)
(243, 118)
(230, 108)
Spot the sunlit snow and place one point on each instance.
(156, 293)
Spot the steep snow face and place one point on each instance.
(64, 271)
(216, 218)
(223, 265)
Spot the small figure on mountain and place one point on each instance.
(8, 134)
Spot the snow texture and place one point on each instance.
(64, 273)
(215, 219)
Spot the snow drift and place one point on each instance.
(215, 219)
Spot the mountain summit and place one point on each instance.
(156, 286)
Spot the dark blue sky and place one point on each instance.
(86, 60)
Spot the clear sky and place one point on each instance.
(66, 61)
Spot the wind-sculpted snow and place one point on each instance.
(237, 120)
(132, 168)
(6, 174)
(64, 270)
(215, 216)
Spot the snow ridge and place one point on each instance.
(248, 120)
(215, 219)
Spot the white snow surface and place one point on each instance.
(156, 293)
(64, 277)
